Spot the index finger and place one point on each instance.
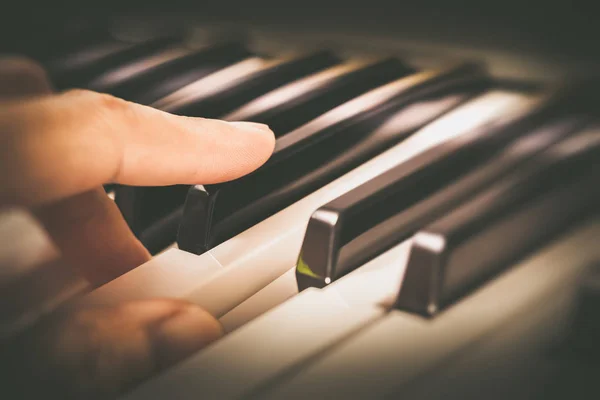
(57, 146)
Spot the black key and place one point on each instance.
(143, 207)
(581, 338)
(256, 85)
(166, 78)
(79, 77)
(292, 114)
(109, 187)
(468, 246)
(322, 151)
(114, 77)
(379, 214)
(84, 56)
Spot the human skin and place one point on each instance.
(56, 152)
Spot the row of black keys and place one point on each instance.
(381, 213)
(475, 204)
(303, 160)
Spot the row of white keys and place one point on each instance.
(375, 283)
(288, 335)
(401, 346)
(221, 279)
(305, 325)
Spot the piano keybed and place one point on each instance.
(410, 210)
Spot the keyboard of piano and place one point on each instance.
(324, 344)
(374, 245)
(257, 256)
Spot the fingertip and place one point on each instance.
(247, 148)
(261, 138)
(222, 151)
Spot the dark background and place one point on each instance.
(569, 29)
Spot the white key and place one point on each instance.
(399, 347)
(169, 274)
(289, 334)
(250, 356)
(251, 260)
(376, 283)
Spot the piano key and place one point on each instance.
(157, 82)
(313, 155)
(259, 255)
(299, 87)
(375, 283)
(223, 370)
(508, 219)
(582, 336)
(199, 100)
(401, 347)
(85, 56)
(173, 265)
(118, 75)
(79, 77)
(292, 114)
(350, 230)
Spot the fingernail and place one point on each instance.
(251, 125)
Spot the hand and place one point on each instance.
(56, 151)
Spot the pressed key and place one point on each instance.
(79, 77)
(462, 249)
(292, 114)
(368, 220)
(166, 78)
(253, 86)
(322, 150)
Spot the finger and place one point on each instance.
(21, 77)
(88, 228)
(102, 352)
(92, 236)
(58, 146)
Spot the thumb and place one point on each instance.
(99, 353)
(58, 146)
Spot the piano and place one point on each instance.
(427, 226)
